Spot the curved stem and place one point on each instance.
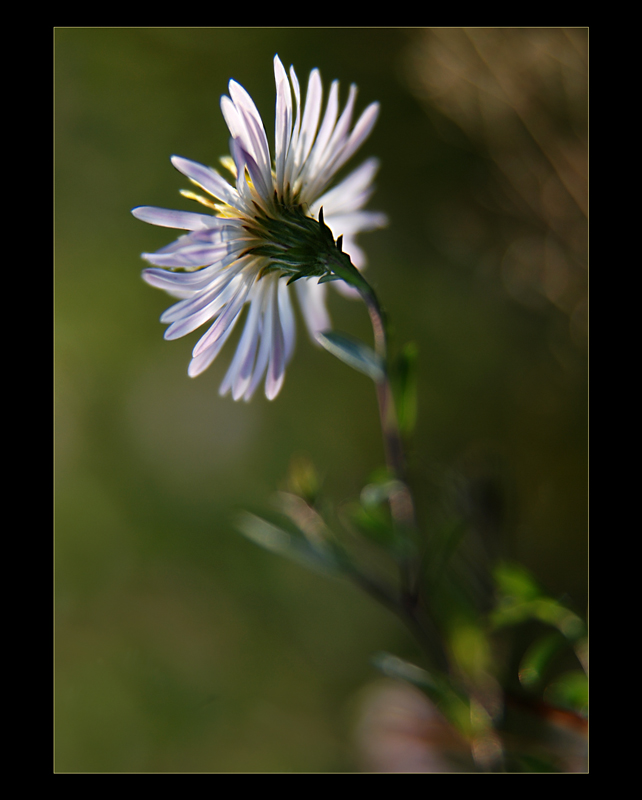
(401, 503)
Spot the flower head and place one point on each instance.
(261, 232)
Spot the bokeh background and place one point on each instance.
(179, 645)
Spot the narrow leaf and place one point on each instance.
(283, 543)
(354, 353)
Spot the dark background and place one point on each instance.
(180, 646)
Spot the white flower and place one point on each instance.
(230, 258)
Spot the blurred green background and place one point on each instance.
(179, 645)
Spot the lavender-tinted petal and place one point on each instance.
(167, 218)
(208, 179)
(312, 301)
(225, 319)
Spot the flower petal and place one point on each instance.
(276, 366)
(286, 314)
(209, 180)
(312, 301)
(184, 220)
(266, 339)
(311, 116)
(351, 194)
(216, 260)
(255, 135)
(283, 121)
(239, 373)
(226, 318)
(201, 362)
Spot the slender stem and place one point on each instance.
(401, 503)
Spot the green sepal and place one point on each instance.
(354, 353)
(296, 277)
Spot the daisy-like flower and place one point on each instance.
(264, 231)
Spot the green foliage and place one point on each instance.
(404, 381)
(147, 573)
(570, 691)
(354, 353)
(538, 657)
(279, 541)
(521, 599)
(296, 244)
(454, 705)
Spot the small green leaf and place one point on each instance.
(375, 524)
(569, 691)
(395, 667)
(538, 657)
(354, 353)
(283, 543)
(515, 582)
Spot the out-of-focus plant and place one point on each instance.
(278, 224)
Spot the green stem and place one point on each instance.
(401, 503)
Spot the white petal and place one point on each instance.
(286, 314)
(339, 135)
(239, 373)
(201, 362)
(311, 116)
(245, 124)
(243, 161)
(208, 179)
(166, 218)
(276, 366)
(262, 185)
(361, 131)
(283, 122)
(351, 194)
(255, 128)
(225, 230)
(199, 300)
(325, 132)
(226, 318)
(290, 170)
(266, 340)
(199, 310)
(193, 256)
(356, 222)
(312, 301)
(185, 282)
